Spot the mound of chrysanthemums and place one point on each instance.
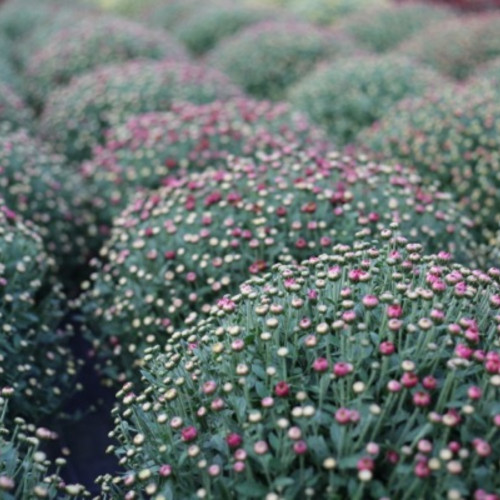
(34, 354)
(13, 111)
(383, 28)
(369, 372)
(44, 190)
(76, 116)
(92, 42)
(25, 470)
(151, 150)
(456, 47)
(328, 11)
(168, 15)
(207, 26)
(173, 251)
(349, 94)
(454, 136)
(265, 59)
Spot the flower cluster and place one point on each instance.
(76, 116)
(168, 15)
(490, 70)
(34, 357)
(452, 135)
(39, 184)
(93, 42)
(328, 11)
(265, 59)
(457, 46)
(13, 111)
(26, 473)
(349, 94)
(173, 251)
(39, 34)
(207, 26)
(383, 28)
(152, 149)
(370, 372)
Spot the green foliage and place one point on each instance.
(35, 358)
(45, 190)
(25, 470)
(369, 372)
(350, 94)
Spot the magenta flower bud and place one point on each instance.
(421, 469)
(355, 416)
(454, 446)
(267, 402)
(342, 369)
(234, 440)
(373, 449)
(387, 348)
(409, 380)
(429, 382)
(239, 466)
(496, 420)
(260, 447)
(394, 324)
(421, 399)
(424, 446)
(282, 389)
(189, 434)
(312, 295)
(483, 449)
(217, 404)
(240, 454)
(300, 447)
(393, 386)
(238, 345)
(392, 456)
(165, 470)
(365, 463)
(310, 341)
(209, 387)
(370, 301)
(463, 351)
(349, 316)
(343, 416)
(320, 365)
(305, 323)
(394, 311)
(474, 392)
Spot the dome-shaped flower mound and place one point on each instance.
(383, 28)
(372, 372)
(490, 70)
(150, 149)
(350, 94)
(93, 42)
(265, 59)
(76, 116)
(456, 47)
(25, 471)
(174, 251)
(44, 190)
(34, 356)
(452, 135)
(168, 15)
(327, 11)
(207, 26)
(13, 111)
